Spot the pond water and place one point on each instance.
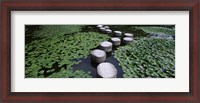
(29, 36)
(86, 64)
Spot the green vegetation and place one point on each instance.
(42, 31)
(157, 29)
(147, 57)
(55, 56)
(53, 51)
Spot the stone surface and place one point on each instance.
(102, 29)
(118, 33)
(99, 26)
(107, 70)
(106, 46)
(115, 41)
(108, 31)
(107, 27)
(128, 35)
(98, 56)
(127, 40)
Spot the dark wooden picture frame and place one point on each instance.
(193, 96)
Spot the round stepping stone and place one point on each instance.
(118, 33)
(99, 26)
(106, 46)
(107, 70)
(98, 56)
(116, 41)
(108, 31)
(128, 35)
(127, 40)
(102, 29)
(107, 27)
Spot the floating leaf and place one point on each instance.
(151, 54)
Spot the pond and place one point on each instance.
(62, 64)
(88, 65)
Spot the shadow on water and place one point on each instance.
(89, 28)
(55, 69)
(29, 30)
(88, 65)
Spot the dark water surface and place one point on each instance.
(29, 29)
(87, 64)
(122, 28)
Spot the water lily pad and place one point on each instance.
(150, 54)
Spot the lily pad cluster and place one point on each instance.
(157, 29)
(147, 58)
(55, 56)
(42, 31)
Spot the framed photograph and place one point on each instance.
(142, 51)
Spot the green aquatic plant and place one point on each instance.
(157, 29)
(41, 31)
(56, 56)
(71, 74)
(146, 57)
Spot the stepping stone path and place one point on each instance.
(99, 26)
(127, 40)
(128, 35)
(106, 46)
(107, 27)
(116, 41)
(118, 33)
(102, 29)
(98, 56)
(108, 31)
(107, 70)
